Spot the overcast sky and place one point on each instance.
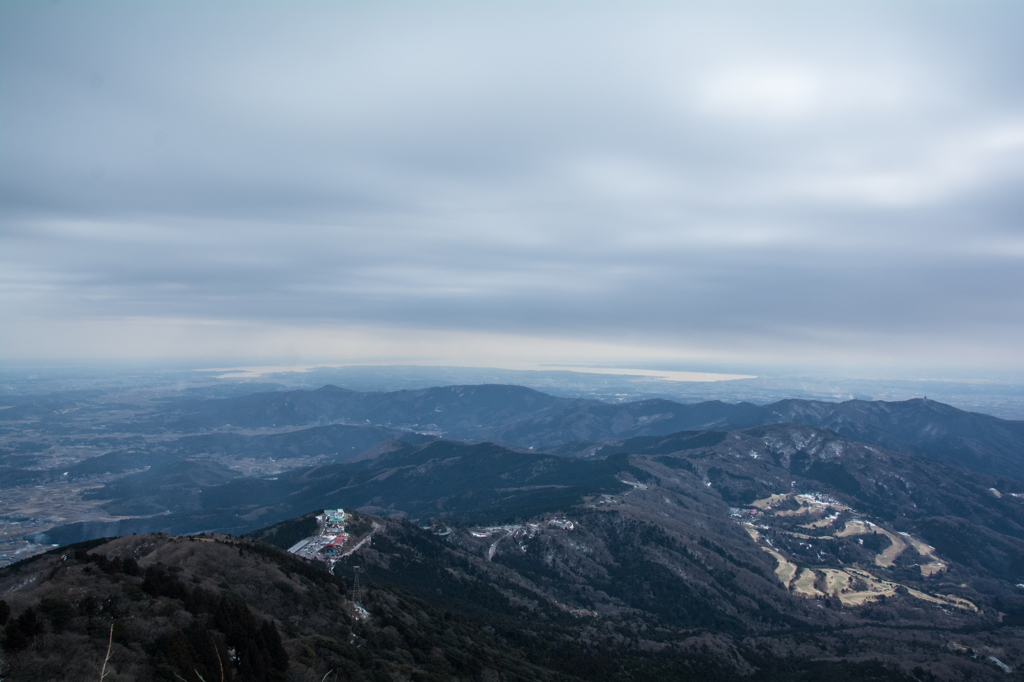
(514, 183)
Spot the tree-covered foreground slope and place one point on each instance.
(154, 607)
(601, 592)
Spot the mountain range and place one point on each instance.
(525, 418)
(531, 536)
(768, 553)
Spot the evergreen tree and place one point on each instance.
(19, 632)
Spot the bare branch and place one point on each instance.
(110, 643)
(216, 651)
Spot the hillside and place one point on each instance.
(606, 591)
(223, 608)
(919, 427)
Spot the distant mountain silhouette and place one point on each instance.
(530, 419)
(451, 409)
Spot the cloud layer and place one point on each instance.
(533, 182)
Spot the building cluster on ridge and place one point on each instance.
(329, 541)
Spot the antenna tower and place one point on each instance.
(357, 593)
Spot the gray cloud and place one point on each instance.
(721, 180)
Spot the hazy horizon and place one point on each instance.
(1000, 396)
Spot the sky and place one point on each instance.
(515, 184)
